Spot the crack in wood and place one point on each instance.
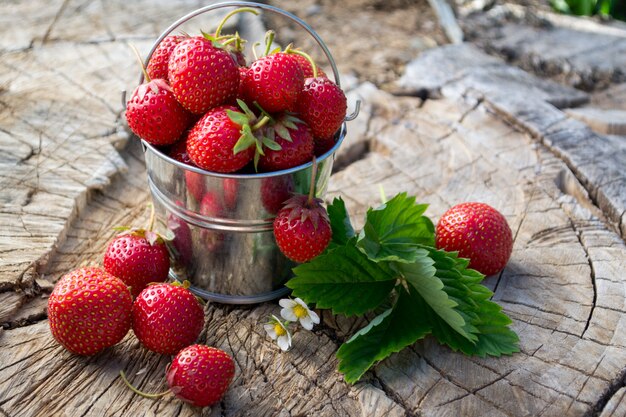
(393, 396)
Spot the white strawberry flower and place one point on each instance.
(297, 310)
(278, 331)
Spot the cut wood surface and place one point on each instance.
(71, 172)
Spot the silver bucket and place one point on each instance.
(225, 246)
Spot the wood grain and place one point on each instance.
(70, 172)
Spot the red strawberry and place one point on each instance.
(178, 151)
(137, 258)
(239, 58)
(296, 148)
(211, 207)
(322, 105)
(302, 228)
(324, 145)
(275, 191)
(154, 115)
(200, 375)
(478, 232)
(157, 66)
(241, 92)
(89, 310)
(201, 75)
(166, 318)
(212, 140)
(274, 82)
(307, 68)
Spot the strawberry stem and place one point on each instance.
(269, 40)
(143, 68)
(231, 14)
(313, 178)
(254, 45)
(264, 120)
(308, 57)
(136, 391)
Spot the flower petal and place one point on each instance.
(287, 303)
(284, 342)
(269, 328)
(314, 317)
(301, 302)
(288, 314)
(306, 322)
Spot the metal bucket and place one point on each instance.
(222, 224)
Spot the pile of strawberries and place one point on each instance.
(206, 107)
(93, 308)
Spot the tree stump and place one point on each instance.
(71, 173)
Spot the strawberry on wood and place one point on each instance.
(478, 232)
(166, 318)
(89, 310)
(200, 375)
(137, 257)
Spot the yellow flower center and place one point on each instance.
(280, 330)
(300, 311)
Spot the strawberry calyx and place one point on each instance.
(302, 208)
(152, 237)
(252, 131)
(186, 285)
(231, 43)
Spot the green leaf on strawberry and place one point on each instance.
(393, 231)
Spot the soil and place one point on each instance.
(370, 39)
(373, 40)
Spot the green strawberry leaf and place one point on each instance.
(390, 332)
(282, 132)
(484, 319)
(237, 118)
(393, 231)
(344, 280)
(271, 144)
(289, 120)
(421, 276)
(495, 337)
(246, 140)
(340, 222)
(243, 106)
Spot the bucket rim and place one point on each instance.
(258, 175)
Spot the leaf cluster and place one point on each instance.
(392, 263)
